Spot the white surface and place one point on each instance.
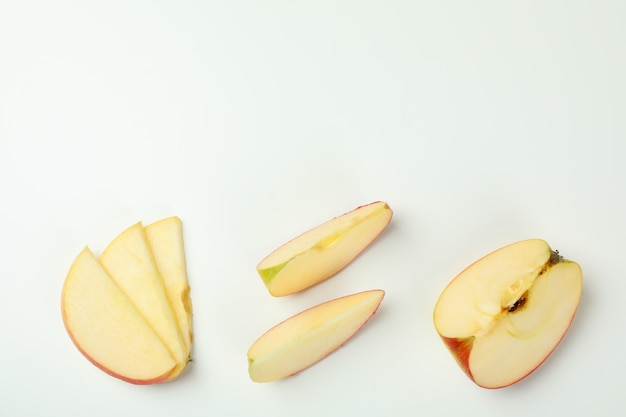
(480, 123)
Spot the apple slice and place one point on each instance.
(503, 316)
(129, 261)
(166, 242)
(321, 252)
(107, 328)
(308, 337)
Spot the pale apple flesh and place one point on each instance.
(165, 238)
(504, 315)
(321, 252)
(129, 261)
(107, 328)
(129, 312)
(306, 338)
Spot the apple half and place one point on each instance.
(505, 314)
(321, 252)
(129, 312)
(306, 338)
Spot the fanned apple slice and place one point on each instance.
(308, 337)
(166, 242)
(321, 252)
(129, 261)
(503, 316)
(107, 328)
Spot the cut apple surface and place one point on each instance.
(165, 238)
(321, 252)
(107, 328)
(503, 315)
(143, 271)
(308, 337)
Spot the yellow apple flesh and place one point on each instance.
(503, 316)
(129, 312)
(107, 328)
(165, 238)
(321, 252)
(130, 263)
(308, 337)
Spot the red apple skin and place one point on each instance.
(460, 349)
(159, 379)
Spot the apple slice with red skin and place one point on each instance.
(165, 238)
(129, 312)
(130, 262)
(505, 314)
(306, 338)
(321, 252)
(108, 329)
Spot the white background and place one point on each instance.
(480, 123)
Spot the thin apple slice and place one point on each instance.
(129, 261)
(107, 328)
(503, 316)
(308, 337)
(321, 252)
(165, 238)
